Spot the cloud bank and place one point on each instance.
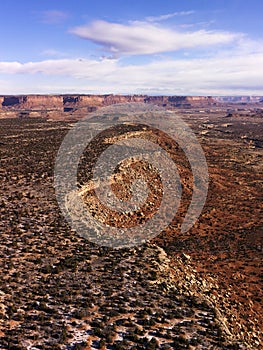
(217, 75)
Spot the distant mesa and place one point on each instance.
(70, 103)
(58, 106)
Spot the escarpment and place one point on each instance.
(79, 104)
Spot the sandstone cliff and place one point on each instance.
(69, 103)
(31, 102)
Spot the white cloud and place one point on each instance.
(140, 38)
(77, 68)
(54, 16)
(224, 74)
(168, 16)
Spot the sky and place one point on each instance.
(157, 47)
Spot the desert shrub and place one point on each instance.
(195, 341)
(98, 332)
(153, 344)
(80, 346)
(102, 343)
(109, 337)
(181, 341)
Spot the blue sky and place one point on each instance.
(153, 47)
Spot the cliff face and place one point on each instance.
(100, 100)
(177, 101)
(31, 102)
(43, 102)
(89, 103)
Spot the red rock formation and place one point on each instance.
(44, 102)
(71, 103)
(32, 102)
